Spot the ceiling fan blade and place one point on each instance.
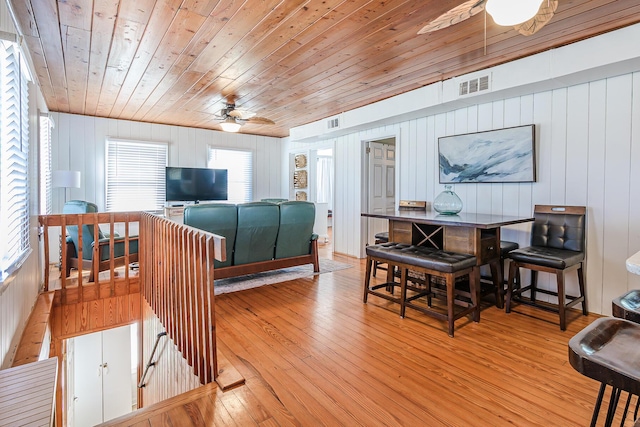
(458, 14)
(261, 121)
(543, 16)
(241, 114)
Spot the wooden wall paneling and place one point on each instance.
(77, 154)
(525, 199)
(355, 205)
(414, 183)
(472, 189)
(634, 180)
(431, 167)
(595, 198)
(543, 116)
(421, 157)
(577, 145)
(485, 122)
(61, 155)
(456, 125)
(558, 142)
(497, 122)
(616, 185)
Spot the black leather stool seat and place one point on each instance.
(506, 247)
(607, 350)
(382, 237)
(429, 258)
(547, 256)
(627, 306)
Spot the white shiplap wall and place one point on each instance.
(78, 143)
(19, 294)
(588, 153)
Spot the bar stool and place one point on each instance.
(500, 291)
(382, 237)
(557, 246)
(607, 351)
(627, 306)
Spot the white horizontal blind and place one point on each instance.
(135, 175)
(239, 165)
(14, 152)
(45, 125)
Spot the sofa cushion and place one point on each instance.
(217, 218)
(82, 207)
(296, 228)
(258, 224)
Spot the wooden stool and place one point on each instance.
(606, 351)
(627, 306)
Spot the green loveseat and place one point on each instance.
(260, 236)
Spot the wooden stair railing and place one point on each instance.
(176, 273)
(74, 290)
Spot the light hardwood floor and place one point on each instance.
(313, 354)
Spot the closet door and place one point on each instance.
(88, 380)
(116, 377)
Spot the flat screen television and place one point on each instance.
(195, 184)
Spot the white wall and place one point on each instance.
(78, 143)
(588, 153)
(19, 294)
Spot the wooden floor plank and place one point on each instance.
(312, 353)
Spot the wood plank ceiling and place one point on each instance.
(293, 61)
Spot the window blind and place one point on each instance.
(45, 126)
(135, 175)
(239, 165)
(14, 159)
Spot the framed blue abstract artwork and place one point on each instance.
(502, 155)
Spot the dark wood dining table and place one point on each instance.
(470, 233)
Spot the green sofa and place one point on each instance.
(260, 236)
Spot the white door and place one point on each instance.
(102, 376)
(116, 373)
(382, 173)
(88, 379)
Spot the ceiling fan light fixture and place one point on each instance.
(230, 125)
(512, 12)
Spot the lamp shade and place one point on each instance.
(512, 12)
(65, 179)
(230, 125)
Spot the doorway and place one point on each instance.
(380, 178)
(102, 373)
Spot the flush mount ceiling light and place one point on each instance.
(230, 125)
(512, 12)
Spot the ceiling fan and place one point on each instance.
(233, 118)
(526, 16)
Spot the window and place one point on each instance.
(14, 159)
(135, 175)
(239, 165)
(45, 125)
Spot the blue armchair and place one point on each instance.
(89, 240)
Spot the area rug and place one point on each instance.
(234, 284)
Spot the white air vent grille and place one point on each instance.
(475, 85)
(333, 123)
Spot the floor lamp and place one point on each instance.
(65, 179)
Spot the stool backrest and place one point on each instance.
(412, 205)
(561, 227)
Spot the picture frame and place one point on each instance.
(501, 155)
